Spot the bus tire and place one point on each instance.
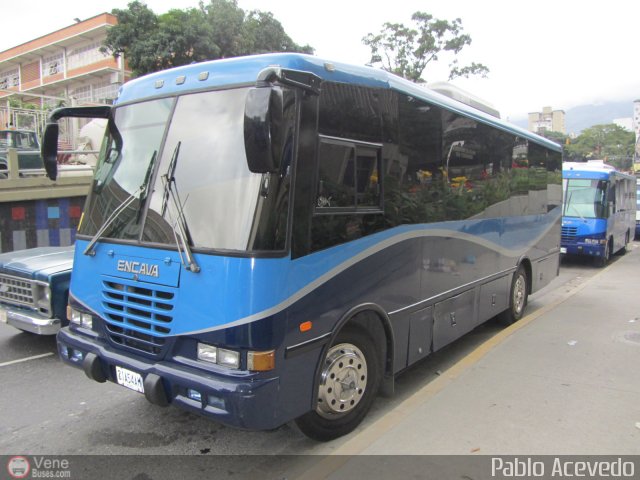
(518, 297)
(349, 382)
(625, 246)
(602, 261)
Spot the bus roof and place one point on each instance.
(593, 169)
(244, 71)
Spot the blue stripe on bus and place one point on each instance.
(241, 290)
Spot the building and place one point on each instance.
(64, 67)
(548, 120)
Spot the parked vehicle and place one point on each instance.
(637, 208)
(27, 146)
(304, 244)
(599, 210)
(34, 288)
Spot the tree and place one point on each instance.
(262, 33)
(225, 19)
(182, 38)
(407, 51)
(558, 137)
(219, 29)
(608, 142)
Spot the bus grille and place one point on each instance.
(137, 317)
(569, 234)
(16, 291)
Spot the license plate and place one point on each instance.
(563, 250)
(129, 379)
(3, 315)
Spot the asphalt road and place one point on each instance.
(47, 408)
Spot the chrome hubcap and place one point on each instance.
(519, 292)
(343, 381)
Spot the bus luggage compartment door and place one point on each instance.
(453, 318)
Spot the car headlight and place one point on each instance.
(42, 298)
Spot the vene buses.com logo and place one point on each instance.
(18, 467)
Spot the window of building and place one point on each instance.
(82, 94)
(85, 55)
(52, 65)
(105, 92)
(9, 78)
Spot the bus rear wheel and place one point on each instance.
(349, 381)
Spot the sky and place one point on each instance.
(558, 53)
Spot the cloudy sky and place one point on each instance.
(558, 53)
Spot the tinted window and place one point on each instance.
(348, 111)
(348, 175)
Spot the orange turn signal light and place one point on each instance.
(306, 326)
(261, 361)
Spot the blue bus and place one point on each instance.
(276, 237)
(599, 210)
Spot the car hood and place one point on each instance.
(37, 263)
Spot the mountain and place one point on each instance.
(584, 116)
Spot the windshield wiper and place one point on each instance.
(146, 186)
(179, 227)
(138, 194)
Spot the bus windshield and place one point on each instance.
(183, 160)
(585, 198)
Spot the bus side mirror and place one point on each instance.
(262, 121)
(49, 150)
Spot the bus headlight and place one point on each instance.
(207, 353)
(219, 356)
(79, 318)
(228, 358)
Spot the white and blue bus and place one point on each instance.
(599, 210)
(276, 237)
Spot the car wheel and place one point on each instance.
(349, 382)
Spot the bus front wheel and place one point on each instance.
(604, 259)
(349, 381)
(518, 297)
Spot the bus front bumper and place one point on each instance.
(583, 248)
(241, 402)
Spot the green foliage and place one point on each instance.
(608, 142)
(558, 137)
(219, 29)
(262, 33)
(407, 51)
(133, 37)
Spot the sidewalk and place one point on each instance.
(564, 380)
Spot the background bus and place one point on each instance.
(598, 217)
(638, 207)
(305, 243)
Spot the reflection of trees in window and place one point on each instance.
(438, 166)
(348, 176)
